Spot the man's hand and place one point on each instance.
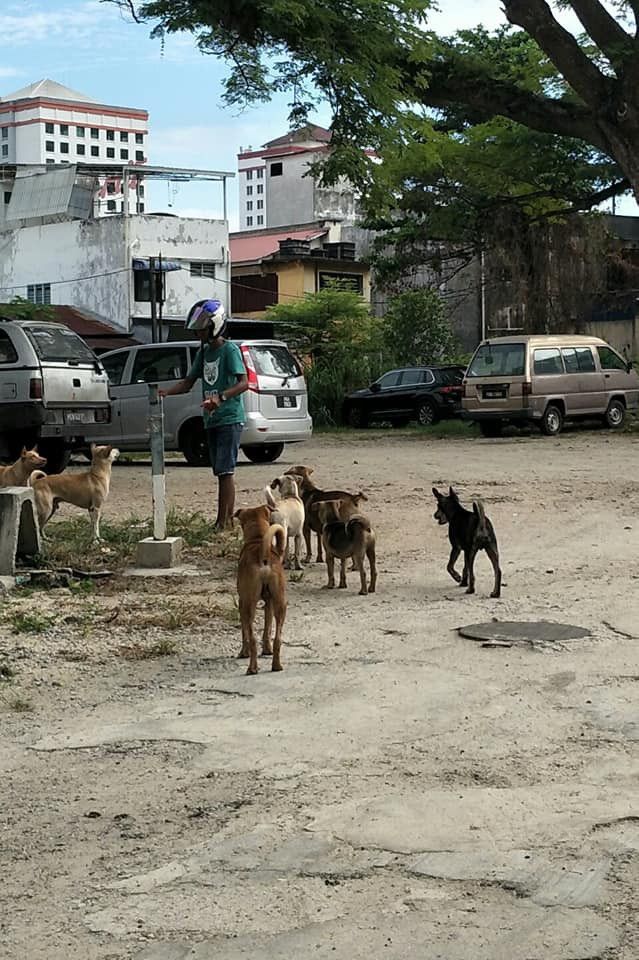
(211, 403)
(163, 393)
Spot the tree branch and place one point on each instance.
(607, 33)
(535, 17)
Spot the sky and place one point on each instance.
(88, 46)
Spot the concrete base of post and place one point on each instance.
(159, 554)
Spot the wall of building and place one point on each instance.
(290, 198)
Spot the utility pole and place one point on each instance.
(161, 302)
(154, 319)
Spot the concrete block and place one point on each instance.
(159, 554)
(19, 531)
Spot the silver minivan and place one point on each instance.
(53, 390)
(546, 380)
(276, 403)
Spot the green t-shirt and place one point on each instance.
(219, 369)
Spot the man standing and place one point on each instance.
(218, 363)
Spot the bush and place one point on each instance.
(418, 327)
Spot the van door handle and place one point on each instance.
(607, 376)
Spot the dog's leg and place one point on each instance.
(370, 553)
(470, 569)
(362, 574)
(245, 621)
(330, 567)
(280, 616)
(267, 649)
(342, 574)
(320, 558)
(452, 560)
(307, 539)
(298, 551)
(94, 515)
(287, 553)
(493, 555)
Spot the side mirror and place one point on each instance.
(375, 387)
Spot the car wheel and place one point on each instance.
(356, 418)
(263, 453)
(615, 414)
(426, 414)
(194, 445)
(490, 428)
(552, 421)
(57, 454)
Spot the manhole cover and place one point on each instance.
(532, 632)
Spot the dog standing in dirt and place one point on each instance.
(349, 505)
(87, 490)
(260, 576)
(468, 531)
(289, 511)
(353, 538)
(17, 475)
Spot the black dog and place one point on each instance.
(470, 531)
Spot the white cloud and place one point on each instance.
(71, 23)
(11, 72)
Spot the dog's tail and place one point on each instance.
(277, 531)
(35, 475)
(359, 521)
(482, 535)
(270, 499)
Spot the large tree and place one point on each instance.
(376, 61)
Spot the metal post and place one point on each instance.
(156, 432)
(160, 302)
(152, 291)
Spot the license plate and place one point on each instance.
(80, 416)
(494, 394)
(286, 402)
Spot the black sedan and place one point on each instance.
(424, 394)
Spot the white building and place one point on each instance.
(47, 123)
(275, 189)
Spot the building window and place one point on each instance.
(49, 146)
(276, 169)
(260, 221)
(249, 204)
(79, 131)
(124, 154)
(95, 151)
(5, 133)
(64, 148)
(48, 128)
(260, 204)
(64, 129)
(124, 136)
(249, 191)
(81, 149)
(249, 221)
(50, 160)
(142, 285)
(95, 133)
(260, 188)
(141, 190)
(5, 149)
(140, 208)
(39, 293)
(110, 186)
(139, 138)
(110, 134)
(201, 269)
(260, 173)
(111, 153)
(249, 174)
(111, 206)
(139, 155)
(7, 196)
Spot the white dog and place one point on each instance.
(289, 511)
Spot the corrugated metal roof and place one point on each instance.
(255, 247)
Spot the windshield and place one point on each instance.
(59, 343)
(498, 360)
(274, 361)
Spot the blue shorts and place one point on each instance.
(224, 446)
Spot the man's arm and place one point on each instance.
(212, 403)
(182, 386)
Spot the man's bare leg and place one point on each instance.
(225, 501)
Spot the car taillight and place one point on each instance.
(250, 369)
(449, 389)
(35, 388)
(526, 389)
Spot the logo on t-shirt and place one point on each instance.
(211, 370)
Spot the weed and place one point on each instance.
(140, 651)
(22, 622)
(17, 704)
(195, 528)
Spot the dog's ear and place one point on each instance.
(436, 493)
(237, 514)
(360, 496)
(23, 452)
(275, 483)
(452, 494)
(92, 448)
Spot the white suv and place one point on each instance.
(276, 403)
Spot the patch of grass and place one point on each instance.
(195, 527)
(174, 614)
(141, 651)
(17, 704)
(24, 622)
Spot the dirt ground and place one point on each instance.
(398, 791)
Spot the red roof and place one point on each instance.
(257, 246)
(310, 132)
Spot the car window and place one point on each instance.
(274, 361)
(59, 343)
(610, 360)
(571, 364)
(547, 361)
(8, 353)
(412, 377)
(498, 360)
(585, 360)
(452, 376)
(159, 363)
(389, 380)
(114, 367)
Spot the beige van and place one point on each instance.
(546, 380)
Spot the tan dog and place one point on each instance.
(17, 475)
(342, 539)
(289, 511)
(349, 505)
(88, 490)
(260, 576)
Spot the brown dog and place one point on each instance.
(88, 489)
(349, 503)
(342, 539)
(260, 576)
(17, 475)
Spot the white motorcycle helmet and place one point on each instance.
(207, 315)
